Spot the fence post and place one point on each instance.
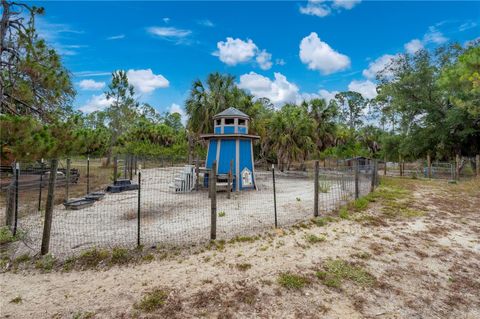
(17, 172)
(229, 190)
(88, 174)
(477, 166)
(67, 185)
(374, 175)
(457, 167)
(138, 207)
(130, 166)
(213, 201)
(197, 174)
(385, 166)
(115, 168)
(47, 227)
(125, 161)
(429, 164)
(315, 203)
(41, 186)
(274, 195)
(356, 179)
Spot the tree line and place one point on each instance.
(428, 103)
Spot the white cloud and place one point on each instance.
(366, 88)
(146, 81)
(434, 36)
(322, 8)
(91, 85)
(206, 23)
(91, 73)
(166, 20)
(169, 32)
(378, 65)
(264, 60)
(280, 62)
(116, 37)
(467, 25)
(235, 51)
(327, 95)
(95, 103)
(413, 46)
(346, 4)
(175, 108)
(279, 90)
(318, 55)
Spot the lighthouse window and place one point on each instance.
(218, 122)
(241, 122)
(229, 121)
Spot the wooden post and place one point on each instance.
(67, 185)
(274, 195)
(197, 174)
(429, 164)
(385, 166)
(357, 190)
(477, 166)
(400, 164)
(374, 175)
(47, 227)
(457, 167)
(40, 188)
(88, 174)
(115, 170)
(138, 208)
(229, 189)
(213, 201)
(17, 188)
(315, 187)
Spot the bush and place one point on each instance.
(152, 301)
(292, 281)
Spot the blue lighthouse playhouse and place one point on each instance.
(232, 147)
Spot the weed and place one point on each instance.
(221, 214)
(362, 255)
(313, 239)
(324, 186)
(21, 259)
(335, 271)
(322, 221)
(6, 236)
(343, 213)
(120, 256)
(243, 266)
(16, 300)
(152, 301)
(83, 315)
(298, 199)
(148, 257)
(93, 257)
(243, 239)
(45, 263)
(216, 244)
(292, 281)
(360, 204)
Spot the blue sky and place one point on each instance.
(282, 50)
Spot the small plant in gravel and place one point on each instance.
(313, 239)
(292, 281)
(22, 259)
(152, 300)
(221, 214)
(298, 199)
(45, 263)
(335, 271)
(243, 266)
(6, 235)
(16, 300)
(322, 221)
(93, 257)
(120, 256)
(343, 213)
(324, 186)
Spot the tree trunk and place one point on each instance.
(49, 208)
(10, 203)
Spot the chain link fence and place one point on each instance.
(138, 201)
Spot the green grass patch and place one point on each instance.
(292, 281)
(221, 214)
(324, 186)
(93, 257)
(244, 239)
(152, 301)
(16, 300)
(6, 235)
(45, 263)
(343, 213)
(360, 204)
(322, 221)
(334, 272)
(313, 239)
(22, 259)
(243, 266)
(120, 256)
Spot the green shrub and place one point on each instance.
(45, 263)
(335, 271)
(152, 301)
(292, 281)
(343, 213)
(313, 239)
(120, 256)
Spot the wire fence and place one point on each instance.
(139, 201)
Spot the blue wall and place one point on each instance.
(218, 130)
(227, 153)
(246, 159)
(212, 153)
(242, 130)
(228, 129)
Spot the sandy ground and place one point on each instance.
(424, 267)
(169, 218)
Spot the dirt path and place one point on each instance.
(415, 257)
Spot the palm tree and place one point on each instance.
(323, 115)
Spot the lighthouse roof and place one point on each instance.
(231, 112)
